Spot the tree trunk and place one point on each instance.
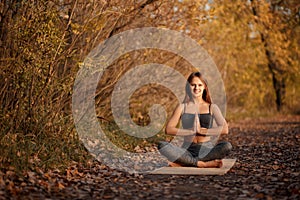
(278, 75)
(279, 87)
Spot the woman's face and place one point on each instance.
(197, 87)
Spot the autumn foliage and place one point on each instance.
(255, 45)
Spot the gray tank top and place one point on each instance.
(187, 120)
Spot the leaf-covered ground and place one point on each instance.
(268, 167)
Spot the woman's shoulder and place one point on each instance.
(178, 111)
(214, 107)
(180, 107)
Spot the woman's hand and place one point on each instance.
(198, 130)
(197, 127)
(203, 131)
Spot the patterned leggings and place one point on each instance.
(195, 152)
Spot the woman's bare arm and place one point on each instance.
(222, 126)
(171, 127)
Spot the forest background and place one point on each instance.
(255, 45)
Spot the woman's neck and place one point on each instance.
(199, 101)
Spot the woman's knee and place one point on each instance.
(227, 147)
(162, 144)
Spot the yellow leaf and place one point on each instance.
(60, 186)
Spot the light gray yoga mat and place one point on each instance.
(227, 164)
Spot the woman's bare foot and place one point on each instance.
(210, 164)
(172, 164)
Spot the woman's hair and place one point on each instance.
(188, 93)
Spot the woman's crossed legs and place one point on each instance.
(196, 155)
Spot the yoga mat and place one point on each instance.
(227, 164)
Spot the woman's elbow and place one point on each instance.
(225, 129)
(169, 131)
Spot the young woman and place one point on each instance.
(196, 113)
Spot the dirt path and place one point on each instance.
(268, 167)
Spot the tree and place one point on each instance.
(273, 20)
(254, 45)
